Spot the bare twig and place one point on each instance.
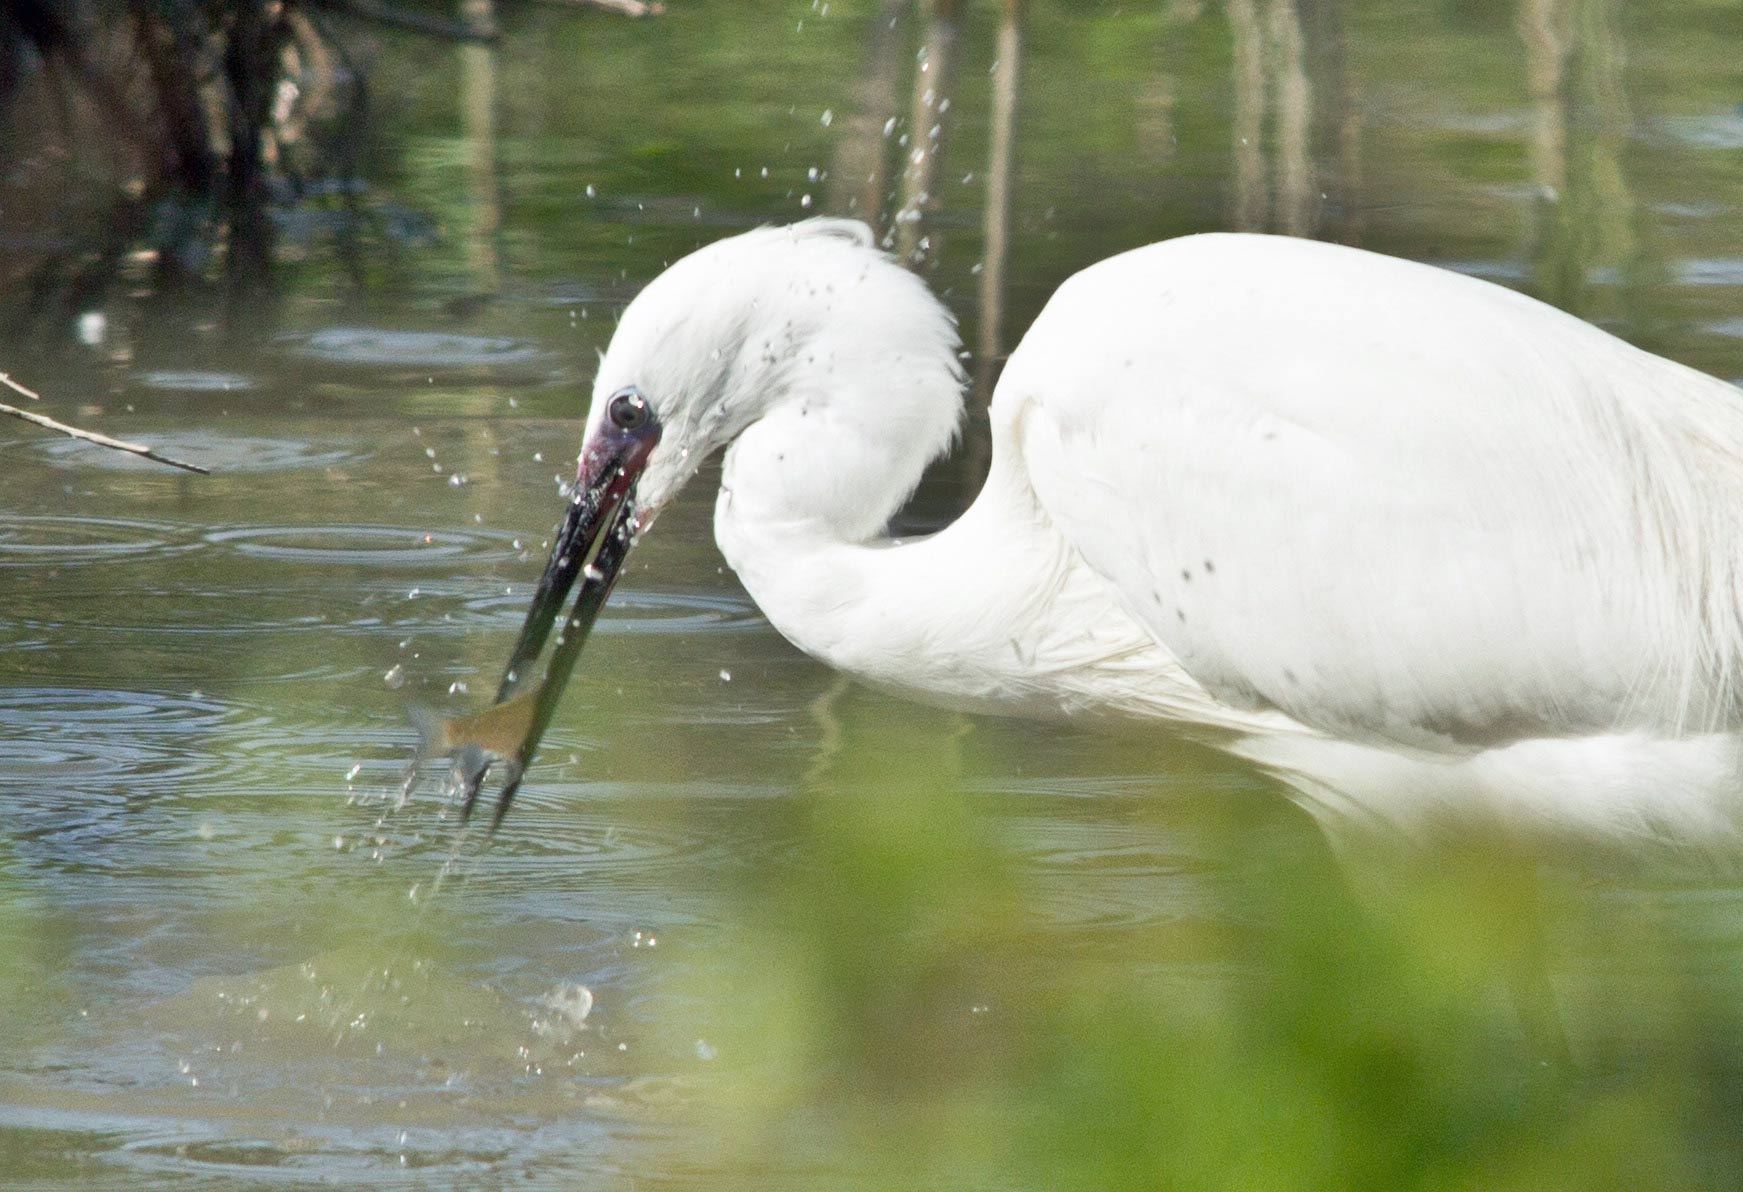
(7, 381)
(88, 436)
(383, 13)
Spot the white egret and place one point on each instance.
(1410, 541)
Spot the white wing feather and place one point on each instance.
(1392, 502)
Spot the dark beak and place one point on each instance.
(596, 534)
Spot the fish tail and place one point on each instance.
(434, 738)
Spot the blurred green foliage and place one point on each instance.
(901, 1010)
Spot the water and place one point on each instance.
(829, 940)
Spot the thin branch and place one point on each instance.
(6, 380)
(88, 436)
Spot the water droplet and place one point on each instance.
(395, 676)
(354, 771)
(726, 676)
(805, 201)
(593, 574)
(93, 326)
(457, 687)
(828, 117)
(591, 191)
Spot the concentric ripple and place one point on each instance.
(632, 611)
(223, 454)
(1716, 130)
(193, 381)
(76, 763)
(382, 350)
(59, 541)
(363, 545)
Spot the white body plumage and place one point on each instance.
(1410, 541)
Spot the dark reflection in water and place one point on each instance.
(228, 953)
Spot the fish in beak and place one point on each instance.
(596, 534)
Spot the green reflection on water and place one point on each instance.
(832, 941)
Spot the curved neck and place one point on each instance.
(803, 500)
(934, 618)
(997, 612)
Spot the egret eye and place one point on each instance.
(629, 410)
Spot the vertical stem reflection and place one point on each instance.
(997, 215)
(996, 229)
(860, 180)
(478, 122)
(932, 87)
(1251, 201)
(1294, 166)
(1587, 242)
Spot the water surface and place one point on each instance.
(826, 940)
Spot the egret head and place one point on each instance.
(778, 321)
(777, 318)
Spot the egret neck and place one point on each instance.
(807, 491)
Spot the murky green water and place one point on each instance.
(830, 941)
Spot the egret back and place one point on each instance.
(1392, 502)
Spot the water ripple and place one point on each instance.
(57, 541)
(632, 611)
(381, 350)
(363, 545)
(71, 759)
(224, 454)
(1715, 130)
(193, 381)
